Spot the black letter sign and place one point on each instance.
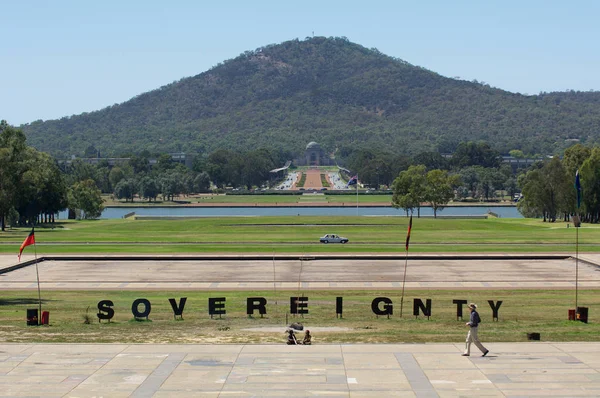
(418, 304)
(459, 304)
(147, 308)
(495, 308)
(298, 305)
(388, 307)
(216, 306)
(104, 306)
(338, 306)
(178, 309)
(256, 303)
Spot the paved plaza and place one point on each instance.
(357, 370)
(376, 272)
(329, 370)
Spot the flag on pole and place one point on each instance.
(353, 180)
(30, 240)
(578, 188)
(408, 233)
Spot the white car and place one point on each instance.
(332, 238)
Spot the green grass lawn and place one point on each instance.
(522, 312)
(299, 234)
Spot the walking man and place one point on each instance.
(472, 335)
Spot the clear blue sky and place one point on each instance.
(59, 58)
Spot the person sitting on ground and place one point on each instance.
(291, 340)
(307, 338)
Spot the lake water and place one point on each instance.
(119, 212)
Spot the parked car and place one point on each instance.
(332, 238)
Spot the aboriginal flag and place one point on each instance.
(30, 240)
(408, 233)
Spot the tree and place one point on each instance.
(532, 187)
(165, 162)
(115, 176)
(590, 187)
(546, 191)
(574, 158)
(170, 185)
(255, 168)
(510, 185)
(516, 153)
(139, 164)
(79, 171)
(216, 164)
(431, 160)
(202, 183)
(102, 179)
(148, 188)
(490, 180)
(44, 191)
(126, 189)
(91, 152)
(470, 177)
(85, 196)
(12, 148)
(409, 189)
(475, 154)
(439, 189)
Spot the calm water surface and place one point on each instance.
(119, 212)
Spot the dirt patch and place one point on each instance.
(282, 329)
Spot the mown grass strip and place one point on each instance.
(522, 312)
(293, 234)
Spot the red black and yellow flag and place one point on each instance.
(408, 233)
(30, 240)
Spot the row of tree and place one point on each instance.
(32, 187)
(416, 186)
(549, 187)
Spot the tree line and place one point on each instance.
(549, 187)
(34, 186)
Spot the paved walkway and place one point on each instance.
(407, 370)
(376, 272)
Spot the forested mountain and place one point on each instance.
(328, 90)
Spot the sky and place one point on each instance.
(61, 58)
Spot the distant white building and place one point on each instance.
(314, 156)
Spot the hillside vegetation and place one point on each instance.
(328, 90)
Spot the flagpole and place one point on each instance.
(403, 283)
(576, 264)
(577, 224)
(37, 273)
(357, 194)
(274, 285)
(405, 265)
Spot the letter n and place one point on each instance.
(418, 305)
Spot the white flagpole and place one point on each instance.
(576, 265)
(274, 284)
(403, 283)
(357, 194)
(37, 273)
